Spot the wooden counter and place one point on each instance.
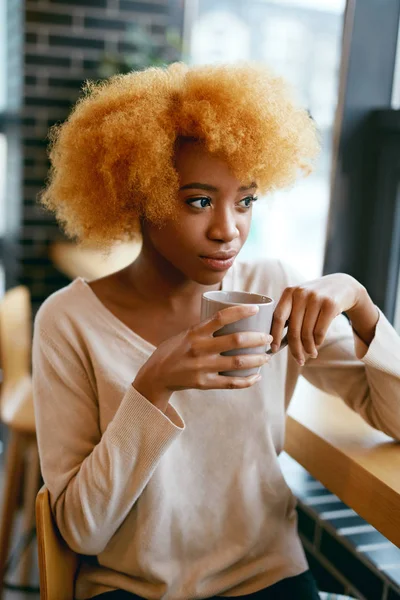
(354, 461)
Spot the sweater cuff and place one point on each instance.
(384, 350)
(138, 423)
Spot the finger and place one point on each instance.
(232, 341)
(309, 322)
(238, 362)
(222, 382)
(281, 315)
(327, 313)
(295, 325)
(226, 316)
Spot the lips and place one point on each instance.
(219, 264)
(221, 255)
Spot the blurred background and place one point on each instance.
(343, 60)
(343, 70)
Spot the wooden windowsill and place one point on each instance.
(354, 461)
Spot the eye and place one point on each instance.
(204, 202)
(248, 201)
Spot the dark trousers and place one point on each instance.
(301, 587)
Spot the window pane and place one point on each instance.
(3, 171)
(396, 105)
(3, 143)
(397, 315)
(396, 79)
(2, 55)
(301, 40)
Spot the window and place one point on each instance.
(396, 79)
(397, 314)
(2, 56)
(396, 105)
(3, 141)
(301, 40)
(3, 170)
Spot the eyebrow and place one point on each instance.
(211, 188)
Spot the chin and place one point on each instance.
(210, 277)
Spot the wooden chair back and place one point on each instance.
(58, 564)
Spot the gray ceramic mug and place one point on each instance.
(212, 302)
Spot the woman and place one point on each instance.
(162, 473)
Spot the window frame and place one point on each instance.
(363, 227)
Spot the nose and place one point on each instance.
(223, 226)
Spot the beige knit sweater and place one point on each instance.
(194, 504)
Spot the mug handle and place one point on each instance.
(283, 345)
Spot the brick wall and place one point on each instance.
(64, 42)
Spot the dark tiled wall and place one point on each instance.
(64, 41)
(345, 554)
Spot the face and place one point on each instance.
(213, 221)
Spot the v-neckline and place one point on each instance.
(128, 333)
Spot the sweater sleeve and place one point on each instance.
(94, 480)
(367, 378)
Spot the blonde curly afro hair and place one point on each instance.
(113, 159)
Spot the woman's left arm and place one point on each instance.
(358, 361)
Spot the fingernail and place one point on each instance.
(300, 361)
(274, 347)
(314, 354)
(270, 339)
(254, 308)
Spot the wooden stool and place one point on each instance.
(17, 414)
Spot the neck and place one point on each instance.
(157, 281)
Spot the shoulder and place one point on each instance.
(60, 336)
(61, 311)
(270, 276)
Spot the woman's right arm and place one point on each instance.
(93, 479)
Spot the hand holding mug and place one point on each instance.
(261, 321)
(195, 358)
